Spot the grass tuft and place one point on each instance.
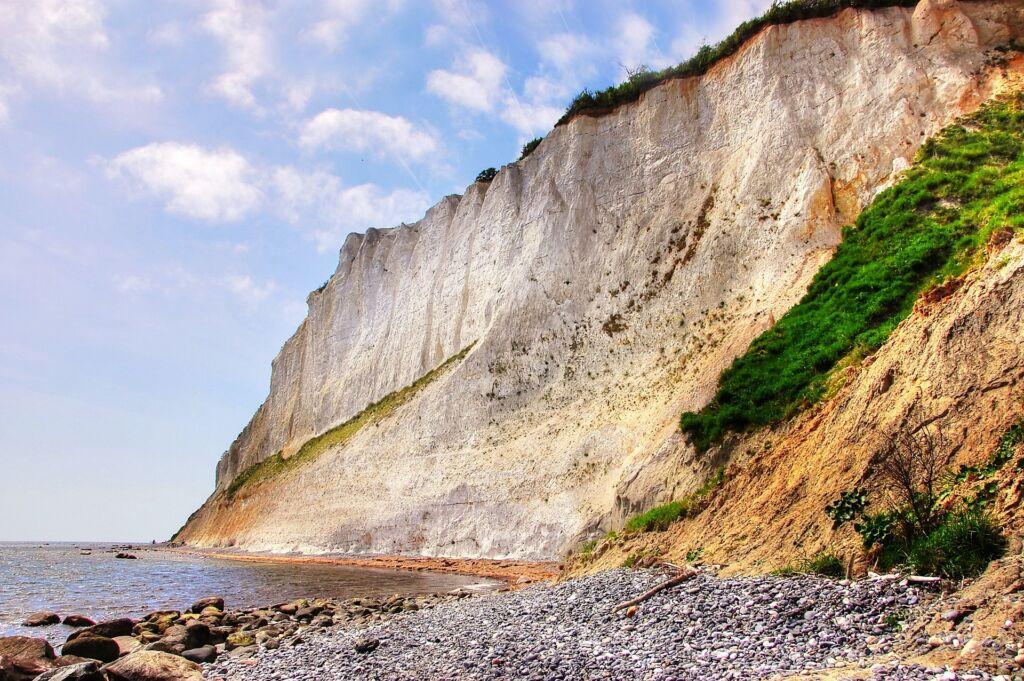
(961, 546)
(826, 564)
(659, 518)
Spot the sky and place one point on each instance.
(177, 175)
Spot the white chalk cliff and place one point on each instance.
(603, 283)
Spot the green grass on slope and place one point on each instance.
(339, 435)
(604, 101)
(967, 182)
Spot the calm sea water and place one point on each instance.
(58, 577)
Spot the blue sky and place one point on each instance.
(177, 175)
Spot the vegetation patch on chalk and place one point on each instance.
(966, 184)
(659, 518)
(339, 435)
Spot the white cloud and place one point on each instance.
(530, 118)
(338, 18)
(248, 290)
(218, 186)
(372, 131)
(567, 52)
(731, 13)
(169, 34)
(635, 44)
(327, 210)
(131, 283)
(474, 83)
(241, 28)
(60, 46)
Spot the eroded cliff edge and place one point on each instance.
(603, 283)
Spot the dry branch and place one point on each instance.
(678, 579)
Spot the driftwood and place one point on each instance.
(678, 579)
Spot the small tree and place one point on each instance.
(909, 466)
(486, 175)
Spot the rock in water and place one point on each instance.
(108, 629)
(78, 621)
(83, 671)
(93, 647)
(204, 603)
(147, 665)
(41, 619)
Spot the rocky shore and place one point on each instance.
(169, 645)
(705, 628)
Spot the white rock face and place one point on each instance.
(606, 281)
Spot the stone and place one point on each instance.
(198, 633)
(308, 612)
(93, 647)
(109, 629)
(126, 556)
(366, 645)
(200, 655)
(81, 671)
(25, 647)
(41, 619)
(211, 602)
(153, 666)
(78, 621)
(127, 644)
(239, 639)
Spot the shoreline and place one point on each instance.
(515, 573)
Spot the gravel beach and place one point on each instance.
(704, 628)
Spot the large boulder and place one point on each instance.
(203, 603)
(82, 671)
(149, 665)
(93, 647)
(41, 619)
(108, 629)
(24, 657)
(78, 621)
(14, 647)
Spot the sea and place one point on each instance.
(87, 579)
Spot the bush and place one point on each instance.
(966, 183)
(486, 175)
(826, 564)
(961, 546)
(643, 79)
(529, 147)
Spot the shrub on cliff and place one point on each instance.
(486, 175)
(529, 147)
(929, 227)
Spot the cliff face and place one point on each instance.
(604, 283)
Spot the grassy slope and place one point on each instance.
(967, 183)
(339, 435)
